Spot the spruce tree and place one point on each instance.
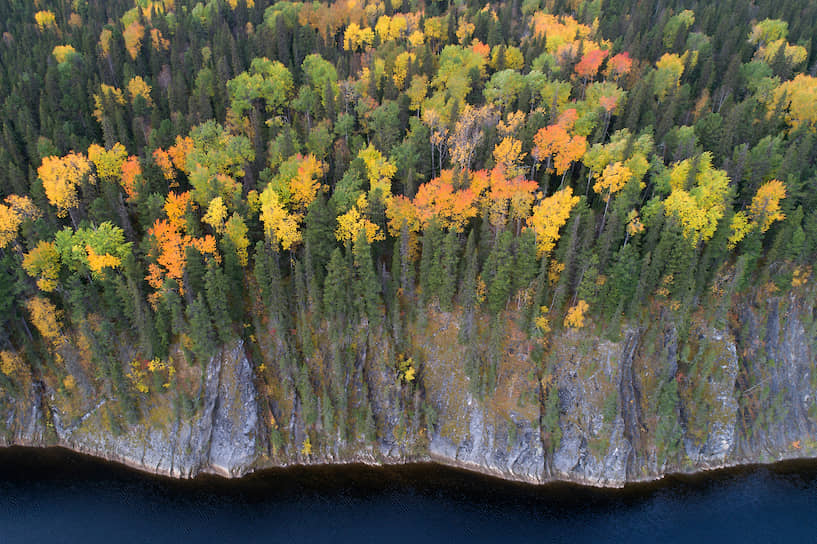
(429, 262)
(366, 288)
(498, 272)
(449, 269)
(201, 330)
(336, 286)
(217, 290)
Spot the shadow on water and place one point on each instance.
(55, 494)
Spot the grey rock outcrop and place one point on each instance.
(221, 440)
(633, 408)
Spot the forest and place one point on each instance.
(319, 179)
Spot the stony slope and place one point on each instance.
(601, 411)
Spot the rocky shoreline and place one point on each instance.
(432, 460)
(624, 411)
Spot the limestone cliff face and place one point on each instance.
(656, 398)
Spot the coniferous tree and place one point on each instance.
(449, 270)
(201, 330)
(336, 299)
(366, 288)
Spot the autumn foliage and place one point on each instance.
(171, 242)
(549, 215)
(326, 180)
(61, 177)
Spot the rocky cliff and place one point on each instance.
(654, 397)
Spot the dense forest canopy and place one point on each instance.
(175, 175)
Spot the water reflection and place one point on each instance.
(54, 495)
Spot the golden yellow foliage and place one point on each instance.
(236, 231)
(140, 372)
(693, 219)
(512, 125)
(97, 262)
(216, 214)
(612, 179)
(634, 224)
(306, 448)
(464, 31)
(9, 223)
(138, 87)
(45, 317)
(356, 38)
(575, 315)
(542, 322)
(400, 210)
(416, 38)
(45, 19)
(64, 53)
(133, 35)
(558, 31)
(105, 41)
(417, 91)
(351, 223)
(109, 162)
(435, 28)
(740, 227)
(304, 187)
(765, 207)
(109, 94)
(798, 98)
(405, 368)
(555, 269)
(379, 170)
(508, 154)
(514, 59)
(800, 276)
(482, 289)
(401, 66)
(278, 224)
(391, 28)
(43, 263)
(669, 69)
(12, 214)
(23, 206)
(549, 216)
(157, 40)
(137, 376)
(794, 54)
(11, 363)
(699, 209)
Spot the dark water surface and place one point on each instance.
(57, 496)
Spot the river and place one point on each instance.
(57, 496)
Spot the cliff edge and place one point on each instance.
(656, 397)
